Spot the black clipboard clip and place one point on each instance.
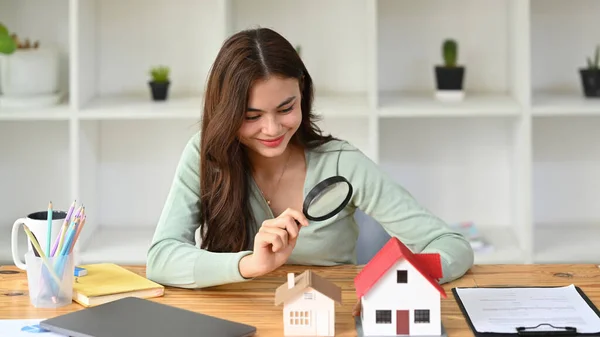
(557, 331)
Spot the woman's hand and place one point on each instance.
(273, 244)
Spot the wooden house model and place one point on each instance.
(308, 304)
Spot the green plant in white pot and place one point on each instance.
(160, 82)
(29, 74)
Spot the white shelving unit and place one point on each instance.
(519, 156)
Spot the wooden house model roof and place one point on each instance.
(308, 279)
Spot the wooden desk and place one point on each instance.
(252, 302)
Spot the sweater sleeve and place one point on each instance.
(173, 258)
(392, 206)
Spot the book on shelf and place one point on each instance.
(473, 235)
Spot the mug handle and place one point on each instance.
(14, 242)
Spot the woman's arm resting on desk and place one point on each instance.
(173, 257)
(379, 196)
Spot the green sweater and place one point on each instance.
(175, 259)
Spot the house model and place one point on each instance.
(400, 293)
(308, 304)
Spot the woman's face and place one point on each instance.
(272, 117)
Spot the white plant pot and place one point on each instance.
(450, 95)
(30, 77)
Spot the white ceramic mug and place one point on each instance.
(38, 225)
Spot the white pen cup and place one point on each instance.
(37, 223)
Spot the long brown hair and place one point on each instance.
(244, 58)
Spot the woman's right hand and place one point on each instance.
(273, 244)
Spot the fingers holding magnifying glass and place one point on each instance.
(286, 226)
(299, 218)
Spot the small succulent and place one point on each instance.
(595, 63)
(9, 43)
(160, 74)
(450, 52)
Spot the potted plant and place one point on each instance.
(7, 43)
(159, 84)
(29, 74)
(449, 76)
(590, 76)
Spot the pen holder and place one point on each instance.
(50, 280)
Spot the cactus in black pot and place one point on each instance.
(590, 76)
(160, 83)
(449, 76)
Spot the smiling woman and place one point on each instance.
(242, 180)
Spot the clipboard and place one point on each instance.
(528, 331)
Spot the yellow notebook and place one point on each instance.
(107, 282)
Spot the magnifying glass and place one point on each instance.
(327, 198)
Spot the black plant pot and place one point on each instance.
(590, 81)
(449, 78)
(160, 90)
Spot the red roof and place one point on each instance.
(429, 265)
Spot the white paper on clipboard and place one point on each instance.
(502, 310)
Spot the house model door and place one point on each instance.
(322, 323)
(402, 322)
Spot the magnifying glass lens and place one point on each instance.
(328, 198)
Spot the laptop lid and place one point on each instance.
(135, 317)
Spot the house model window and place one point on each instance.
(402, 276)
(421, 316)
(299, 318)
(383, 316)
(308, 296)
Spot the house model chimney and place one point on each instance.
(290, 280)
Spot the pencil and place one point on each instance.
(62, 235)
(36, 245)
(79, 227)
(63, 228)
(49, 234)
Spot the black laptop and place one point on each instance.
(135, 317)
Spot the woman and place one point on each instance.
(242, 183)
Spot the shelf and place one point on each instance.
(563, 35)
(522, 148)
(117, 107)
(122, 245)
(425, 105)
(567, 243)
(565, 104)
(409, 45)
(458, 168)
(58, 112)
